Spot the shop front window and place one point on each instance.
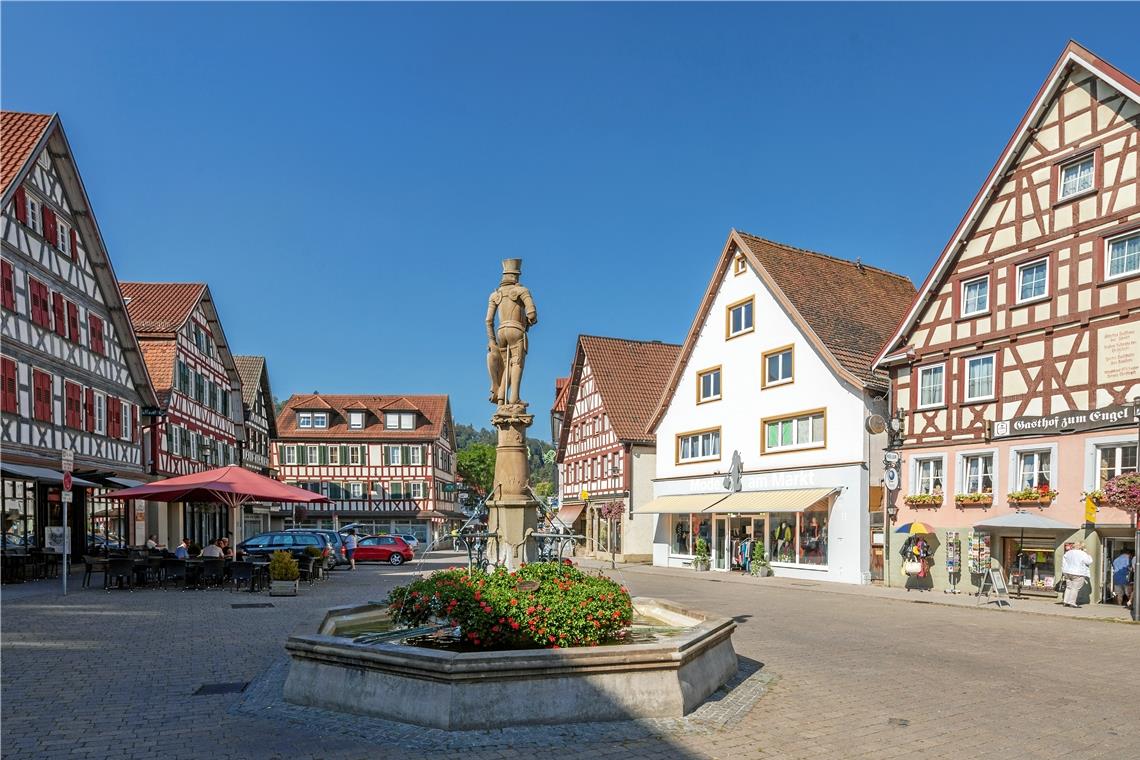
(702, 528)
(106, 522)
(19, 514)
(681, 535)
(813, 536)
(783, 536)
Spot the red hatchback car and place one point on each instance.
(391, 549)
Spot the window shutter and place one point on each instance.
(51, 232)
(302, 455)
(405, 455)
(60, 313)
(384, 455)
(89, 404)
(9, 286)
(344, 454)
(72, 322)
(10, 399)
(74, 244)
(21, 200)
(324, 454)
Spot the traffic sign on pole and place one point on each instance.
(68, 460)
(67, 464)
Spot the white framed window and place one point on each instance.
(1113, 460)
(100, 413)
(356, 490)
(334, 454)
(313, 455)
(320, 419)
(807, 430)
(126, 431)
(35, 221)
(978, 472)
(931, 386)
(928, 475)
(304, 420)
(778, 367)
(1033, 469)
(1122, 256)
(356, 420)
(739, 266)
(1076, 177)
(739, 319)
(416, 489)
(708, 385)
(1032, 280)
(62, 236)
(976, 296)
(354, 455)
(400, 420)
(396, 490)
(394, 455)
(416, 455)
(698, 446)
(980, 378)
(290, 454)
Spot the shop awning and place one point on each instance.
(43, 474)
(1025, 521)
(679, 505)
(126, 482)
(791, 500)
(569, 513)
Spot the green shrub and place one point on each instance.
(282, 567)
(566, 607)
(702, 549)
(312, 551)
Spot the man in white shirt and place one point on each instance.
(1075, 569)
(213, 551)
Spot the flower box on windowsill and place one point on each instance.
(1031, 498)
(983, 500)
(923, 501)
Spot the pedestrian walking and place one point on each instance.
(350, 548)
(1075, 570)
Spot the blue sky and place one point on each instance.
(348, 177)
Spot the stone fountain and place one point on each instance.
(357, 663)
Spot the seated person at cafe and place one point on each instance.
(183, 549)
(227, 550)
(213, 551)
(152, 543)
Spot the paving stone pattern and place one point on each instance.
(113, 675)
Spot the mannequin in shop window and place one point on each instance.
(782, 540)
(811, 542)
(682, 537)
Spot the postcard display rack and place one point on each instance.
(953, 560)
(979, 553)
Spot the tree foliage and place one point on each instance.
(541, 463)
(476, 465)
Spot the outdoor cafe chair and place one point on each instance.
(173, 570)
(119, 569)
(241, 572)
(53, 560)
(306, 568)
(93, 565)
(213, 571)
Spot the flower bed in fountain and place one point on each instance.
(541, 605)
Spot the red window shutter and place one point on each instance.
(74, 245)
(20, 198)
(51, 232)
(10, 403)
(41, 396)
(71, 404)
(89, 404)
(60, 313)
(72, 322)
(112, 406)
(95, 328)
(9, 286)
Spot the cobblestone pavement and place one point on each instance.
(100, 675)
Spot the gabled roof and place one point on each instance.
(1073, 55)
(561, 393)
(630, 376)
(249, 370)
(161, 307)
(844, 308)
(401, 404)
(22, 137)
(20, 134)
(434, 415)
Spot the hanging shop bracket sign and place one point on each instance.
(1067, 422)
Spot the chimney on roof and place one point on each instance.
(859, 263)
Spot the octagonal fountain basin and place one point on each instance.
(356, 663)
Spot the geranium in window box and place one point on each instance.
(1123, 492)
(1031, 497)
(973, 499)
(930, 500)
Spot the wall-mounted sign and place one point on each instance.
(1118, 354)
(1067, 422)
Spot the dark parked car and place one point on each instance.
(294, 542)
(391, 549)
(336, 541)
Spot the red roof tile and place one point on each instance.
(160, 307)
(159, 356)
(19, 134)
(434, 411)
(249, 370)
(631, 376)
(561, 391)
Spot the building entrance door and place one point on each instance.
(721, 545)
(1112, 549)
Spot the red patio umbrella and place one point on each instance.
(231, 485)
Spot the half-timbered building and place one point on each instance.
(1017, 366)
(774, 384)
(385, 462)
(606, 456)
(200, 395)
(260, 429)
(73, 373)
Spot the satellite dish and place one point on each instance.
(876, 424)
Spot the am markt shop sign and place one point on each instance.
(1067, 422)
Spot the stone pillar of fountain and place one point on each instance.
(512, 511)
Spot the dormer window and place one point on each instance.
(356, 420)
(320, 420)
(304, 420)
(399, 421)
